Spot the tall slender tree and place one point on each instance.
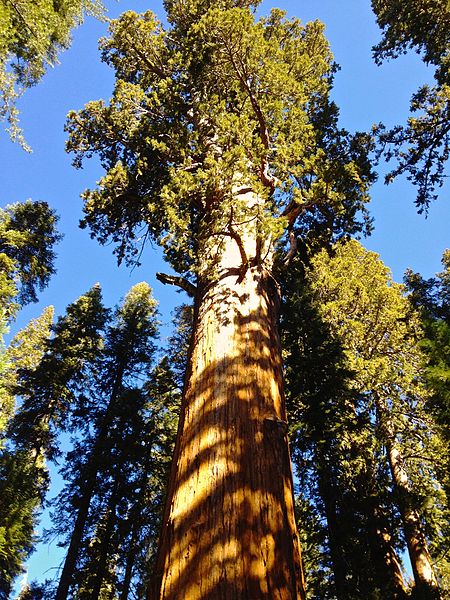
(341, 475)
(219, 138)
(46, 389)
(431, 298)
(128, 351)
(20, 494)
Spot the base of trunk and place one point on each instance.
(229, 531)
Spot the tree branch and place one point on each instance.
(181, 282)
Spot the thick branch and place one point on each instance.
(293, 247)
(181, 282)
(267, 179)
(233, 235)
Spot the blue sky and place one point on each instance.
(366, 94)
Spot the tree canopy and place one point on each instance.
(27, 237)
(216, 102)
(32, 34)
(421, 148)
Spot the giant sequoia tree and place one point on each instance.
(220, 142)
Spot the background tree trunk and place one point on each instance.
(424, 576)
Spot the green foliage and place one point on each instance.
(217, 102)
(379, 334)
(24, 352)
(179, 341)
(32, 33)
(339, 465)
(48, 390)
(422, 25)
(22, 479)
(355, 387)
(20, 499)
(431, 297)
(27, 236)
(124, 427)
(421, 148)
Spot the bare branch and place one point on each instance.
(181, 282)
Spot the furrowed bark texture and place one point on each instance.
(229, 531)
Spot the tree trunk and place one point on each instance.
(327, 491)
(229, 531)
(101, 568)
(386, 563)
(426, 585)
(130, 562)
(89, 480)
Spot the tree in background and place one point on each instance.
(348, 528)
(46, 386)
(32, 34)
(112, 407)
(113, 544)
(381, 428)
(27, 237)
(24, 352)
(431, 298)
(20, 495)
(218, 140)
(422, 147)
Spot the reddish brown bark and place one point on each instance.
(229, 530)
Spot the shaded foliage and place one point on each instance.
(356, 392)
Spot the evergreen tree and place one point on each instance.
(32, 33)
(109, 510)
(48, 380)
(27, 236)
(431, 298)
(19, 496)
(24, 352)
(48, 391)
(422, 147)
(219, 138)
(368, 316)
(348, 537)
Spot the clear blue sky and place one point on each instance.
(365, 93)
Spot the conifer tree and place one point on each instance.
(421, 148)
(27, 236)
(431, 298)
(32, 34)
(339, 467)
(220, 138)
(46, 388)
(368, 316)
(19, 497)
(128, 352)
(24, 352)
(110, 508)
